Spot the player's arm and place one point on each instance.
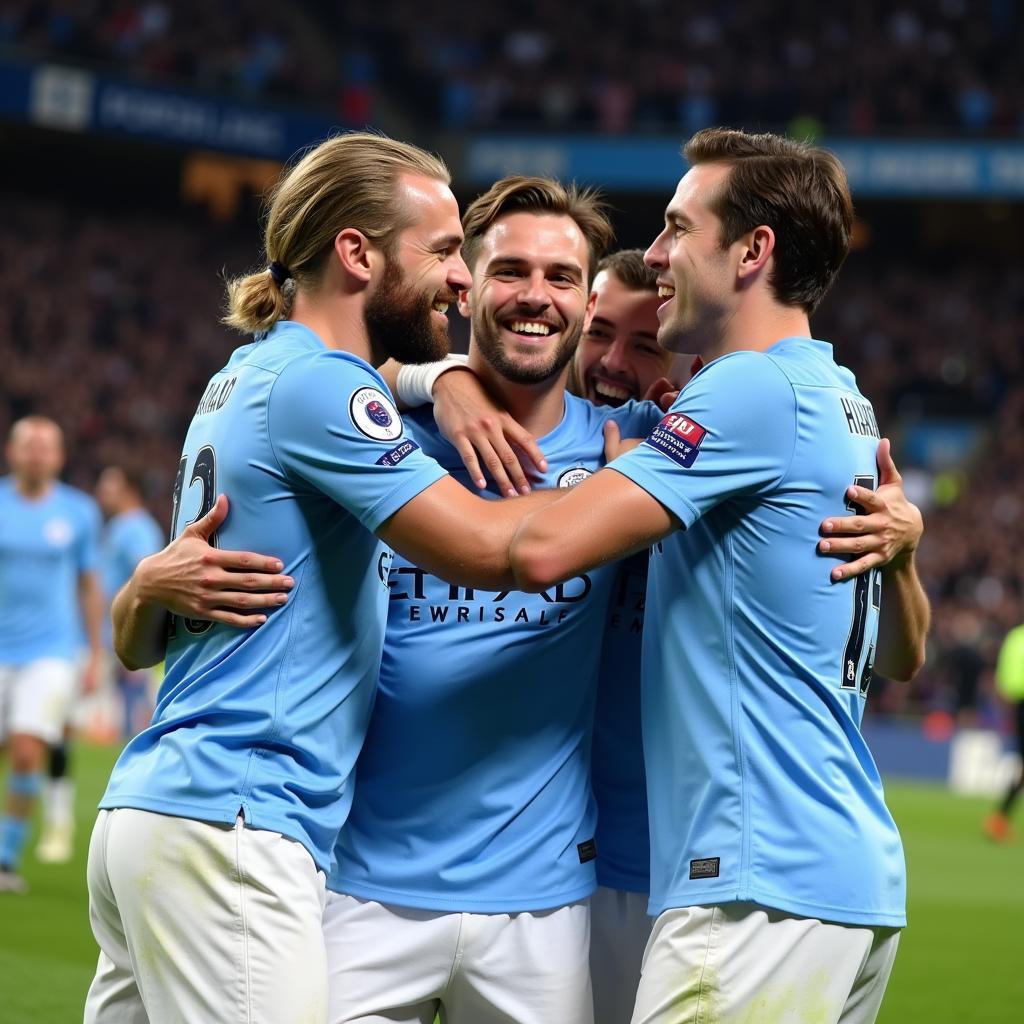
(885, 537)
(603, 519)
(903, 622)
(453, 534)
(190, 577)
(90, 599)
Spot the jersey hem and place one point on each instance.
(820, 912)
(624, 883)
(460, 904)
(219, 816)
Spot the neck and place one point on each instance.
(32, 488)
(538, 408)
(758, 326)
(338, 322)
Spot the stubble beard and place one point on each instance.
(487, 337)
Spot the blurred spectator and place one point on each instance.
(918, 66)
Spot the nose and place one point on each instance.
(614, 358)
(459, 278)
(655, 256)
(533, 292)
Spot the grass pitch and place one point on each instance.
(958, 961)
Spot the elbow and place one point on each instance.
(535, 565)
(130, 659)
(902, 669)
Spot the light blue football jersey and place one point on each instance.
(127, 538)
(756, 665)
(308, 447)
(45, 544)
(473, 791)
(617, 762)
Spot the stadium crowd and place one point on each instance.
(87, 300)
(860, 69)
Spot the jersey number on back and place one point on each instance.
(867, 587)
(204, 471)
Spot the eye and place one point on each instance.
(596, 334)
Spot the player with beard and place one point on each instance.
(207, 862)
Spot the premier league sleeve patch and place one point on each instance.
(678, 438)
(374, 415)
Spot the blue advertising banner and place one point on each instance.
(73, 99)
(876, 168)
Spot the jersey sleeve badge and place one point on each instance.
(374, 416)
(678, 438)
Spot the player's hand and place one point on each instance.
(614, 444)
(663, 393)
(192, 578)
(483, 433)
(888, 532)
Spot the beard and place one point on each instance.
(487, 337)
(399, 323)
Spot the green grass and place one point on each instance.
(959, 960)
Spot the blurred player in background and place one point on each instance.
(1010, 683)
(49, 588)
(130, 534)
(777, 873)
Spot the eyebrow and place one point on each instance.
(516, 261)
(447, 242)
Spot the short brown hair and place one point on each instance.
(347, 181)
(523, 194)
(798, 190)
(627, 265)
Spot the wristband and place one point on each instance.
(415, 384)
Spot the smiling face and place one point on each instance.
(619, 357)
(407, 313)
(696, 275)
(529, 295)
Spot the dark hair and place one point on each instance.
(131, 476)
(798, 190)
(628, 266)
(521, 194)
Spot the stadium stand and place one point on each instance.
(872, 68)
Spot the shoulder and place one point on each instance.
(77, 498)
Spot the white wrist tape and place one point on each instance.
(415, 384)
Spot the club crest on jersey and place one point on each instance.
(571, 477)
(678, 438)
(58, 532)
(374, 415)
